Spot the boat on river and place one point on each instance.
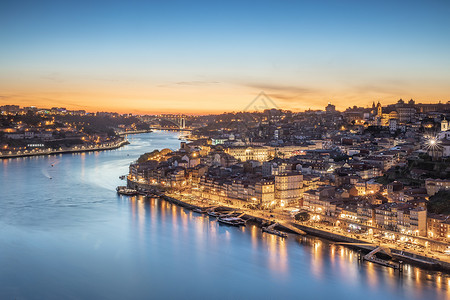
(214, 214)
(274, 232)
(233, 221)
(123, 190)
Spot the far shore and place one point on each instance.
(123, 133)
(69, 150)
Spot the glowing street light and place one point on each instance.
(432, 144)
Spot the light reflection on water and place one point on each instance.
(72, 237)
(324, 256)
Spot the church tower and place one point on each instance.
(379, 110)
(444, 125)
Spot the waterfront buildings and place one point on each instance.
(364, 170)
(288, 188)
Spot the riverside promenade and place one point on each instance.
(75, 149)
(123, 133)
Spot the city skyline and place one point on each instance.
(203, 57)
(259, 104)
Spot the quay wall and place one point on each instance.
(52, 152)
(123, 133)
(406, 256)
(333, 236)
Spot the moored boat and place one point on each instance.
(123, 190)
(232, 221)
(275, 232)
(198, 210)
(213, 214)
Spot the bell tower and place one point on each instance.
(379, 110)
(444, 125)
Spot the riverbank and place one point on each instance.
(75, 149)
(123, 133)
(287, 226)
(246, 216)
(398, 254)
(171, 129)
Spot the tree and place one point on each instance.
(148, 156)
(302, 216)
(111, 132)
(440, 203)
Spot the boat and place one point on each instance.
(123, 190)
(275, 232)
(232, 221)
(198, 210)
(213, 214)
(122, 177)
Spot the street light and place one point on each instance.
(432, 144)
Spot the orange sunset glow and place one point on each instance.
(159, 60)
(197, 97)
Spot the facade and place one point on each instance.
(435, 185)
(264, 193)
(403, 218)
(250, 153)
(288, 187)
(438, 227)
(444, 125)
(314, 202)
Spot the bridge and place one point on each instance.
(176, 121)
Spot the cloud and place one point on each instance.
(387, 89)
(55, 77)
(190, 83)
(196, 82)
(40, 100)
(282, 88)
(288, 95)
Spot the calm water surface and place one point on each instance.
(73, 237)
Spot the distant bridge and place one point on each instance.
(178, 121)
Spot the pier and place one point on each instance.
(292, 228)
(390, 264)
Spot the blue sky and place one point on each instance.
(157, 55)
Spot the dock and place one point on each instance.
(292, 228)
(372, 258)
(271, 229)
(390, 264)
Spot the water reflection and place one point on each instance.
(326, 260)
(415, 281)
(277, 253)
(325, 256)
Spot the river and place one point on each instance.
(66, 234)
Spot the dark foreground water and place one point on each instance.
(72, 237)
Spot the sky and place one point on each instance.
(201, 57)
